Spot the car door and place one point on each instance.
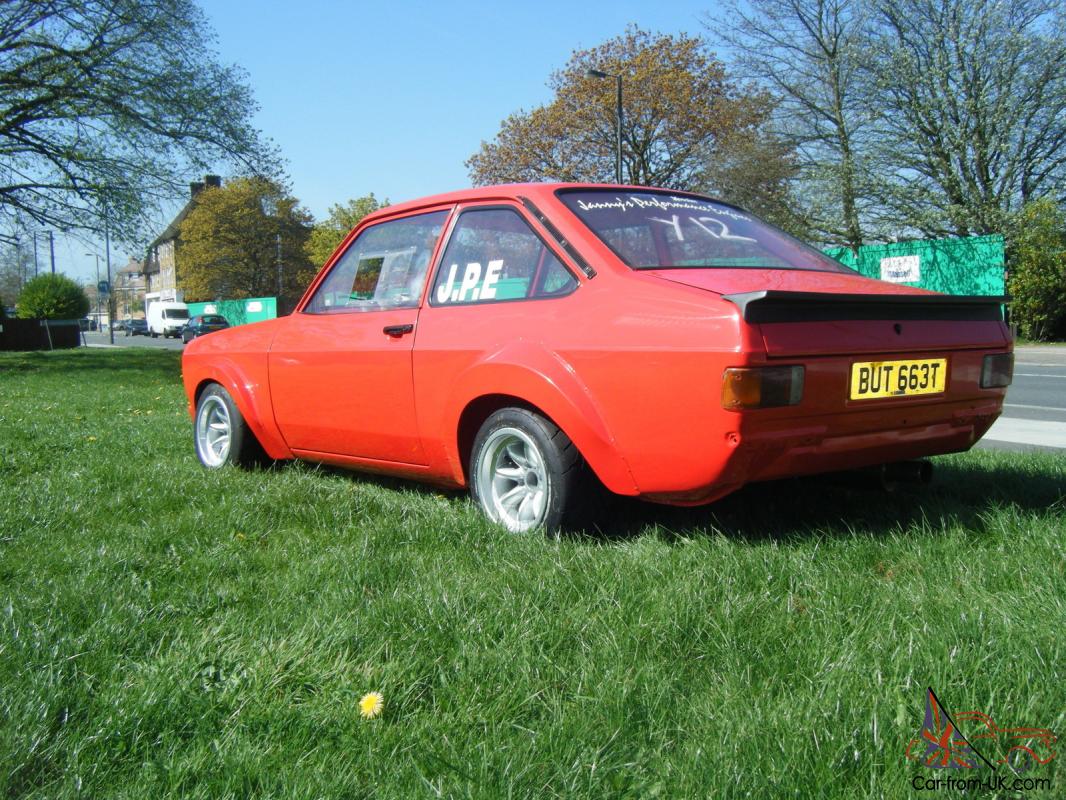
(340, 370)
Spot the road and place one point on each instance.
(97, 339)
(1034, 415)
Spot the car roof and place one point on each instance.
(537, 192)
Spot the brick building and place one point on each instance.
(162, 268)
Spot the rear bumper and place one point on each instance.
(865, 440)
(768, 450)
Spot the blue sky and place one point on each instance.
(392, 98)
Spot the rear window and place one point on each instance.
(662, 230)
(213, 319)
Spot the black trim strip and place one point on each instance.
(549, 226)
(781, 306)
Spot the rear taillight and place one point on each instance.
(761, 387)
(997, 371)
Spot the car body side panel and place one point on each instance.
(646, 360)
(456, 364)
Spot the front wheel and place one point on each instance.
(220, 432)
(525, 472)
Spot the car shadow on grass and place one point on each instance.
(842, 506)
(961, 494)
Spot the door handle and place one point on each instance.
(398, 330)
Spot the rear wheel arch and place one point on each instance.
(605, 462)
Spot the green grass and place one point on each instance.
(166, 631)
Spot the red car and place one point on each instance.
(526, 341)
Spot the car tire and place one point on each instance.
(525, 473)
(220, 432)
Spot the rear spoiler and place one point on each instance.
(780, 306)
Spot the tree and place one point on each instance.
(810, 55)
(245, 239)
(679, 107)
(1037, 261)
(972, 95)
(16, 267)
(52, 296)
(328, 234)
(107, 108)
(757, 171)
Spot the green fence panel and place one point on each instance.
(973, 265)
(238, 312)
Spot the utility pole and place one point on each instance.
(52, 249)
(36, 267)
(18, 263)
(279, 268)
(97, 257)
(110, 294)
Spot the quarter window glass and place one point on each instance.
(494, 255)
(385, 267)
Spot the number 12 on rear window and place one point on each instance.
(873, 379)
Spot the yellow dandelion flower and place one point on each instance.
(371, 704)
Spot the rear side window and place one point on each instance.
(493, 255)
(385, 267)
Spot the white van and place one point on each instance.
(166, 318)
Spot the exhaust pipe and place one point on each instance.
(907, 472)
(887, 477)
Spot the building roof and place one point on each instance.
(174, 228)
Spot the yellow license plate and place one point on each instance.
(872, 379)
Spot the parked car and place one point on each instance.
(137, 327)
(201, 324)
(120, 324)
(531, 341)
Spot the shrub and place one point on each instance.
(1037, 262)
(52, 297)
(3, 313)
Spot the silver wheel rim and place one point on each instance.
(214, 430)
(512, 480)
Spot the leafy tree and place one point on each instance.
(680, 107)
(15, 266)
(328, 234)
(106, 108)
(234, 237)
(809, 53)
(758, 171)
(1037, 261)
(52, 296)
(972, 95)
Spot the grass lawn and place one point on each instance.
(166, 631)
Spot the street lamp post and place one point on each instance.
(97, 257)
(595, 73)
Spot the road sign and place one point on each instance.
(103, 287)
